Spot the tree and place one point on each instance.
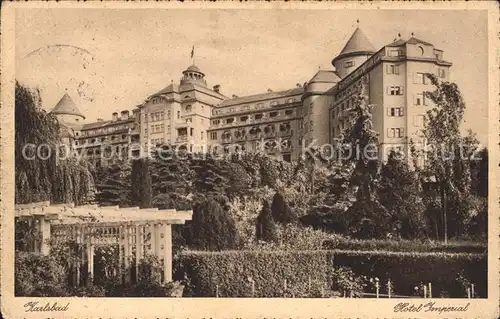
(45, 176)
(211, 228)
(281, 212)
(172, 180)
(266, 227)
(479, 173)
(448, 157)
(366, 217)
(141, 194)
(399, 192)
(113, 184)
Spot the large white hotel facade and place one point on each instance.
(195, 116)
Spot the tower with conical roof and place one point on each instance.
(69, 117)
(356, 51)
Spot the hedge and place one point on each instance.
(229, 272)
(405, 245)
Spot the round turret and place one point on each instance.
(356, 51)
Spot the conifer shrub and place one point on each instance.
(266, 227)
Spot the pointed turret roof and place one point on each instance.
(325, 76)
(358, 43)
(66, 106)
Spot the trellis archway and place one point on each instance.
(136, 232)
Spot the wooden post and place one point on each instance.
(217, 291)
(425, 291)
(120, 253)
(377, 287)
(253, 289)
(90, 257)
(45, 236)
(167, 252)
(126, 253)
(472, 290)
(430, 290)
(389, 288)
(137, 251)
(468, 293)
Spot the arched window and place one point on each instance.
(188, 108)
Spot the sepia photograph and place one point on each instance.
(235, 153)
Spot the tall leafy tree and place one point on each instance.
(39, 174)
(266, 229)
(448, 157)
(399, 192)
(141, 194)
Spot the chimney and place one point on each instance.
(235, 96)
(115, 116)
(217, 88)
(124, 115)
(269, 90)
(100, 120)
(299, 85)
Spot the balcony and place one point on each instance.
(181, 139)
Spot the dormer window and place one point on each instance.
(421, 50)
(188, 108)
(349, 64)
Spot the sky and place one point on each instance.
(111, 60)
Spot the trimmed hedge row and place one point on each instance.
(230, 272)
(405, 246)
(407, 270)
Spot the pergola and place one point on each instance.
(137, 232)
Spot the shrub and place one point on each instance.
(40, 276)
(266, 227)
(212, 228)
(281, 211)
(231, 272)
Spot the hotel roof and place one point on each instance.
(261, 97)
(66, 106)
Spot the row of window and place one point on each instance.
(419, 77)
(109, 129)
(112, 138)
(245, 118)
(256, 106)
(283, 127)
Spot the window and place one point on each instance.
(395, 90)
(244, 118)
(201, 134)
(289, 112)
(188, 108)
(213, 135)
(395, 132)
(259, 116)
(191, 132)
(441, 73)
(273, 114)
(392, 69)
(418, 120)
(395, 111)
(215, 122)
(421, 50)
(395, 52)
(229, 121)
(420, 78)
(178, 114)
(420, 99)
(349, 64)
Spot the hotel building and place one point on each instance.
(198, 118)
